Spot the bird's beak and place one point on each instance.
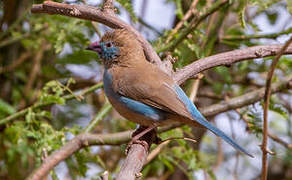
(94, 47)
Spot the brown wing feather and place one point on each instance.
(148, 84)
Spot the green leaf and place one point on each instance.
(5, 108)
(179, 11)
(289, 6)
(166, 162)
(278, 109)
(241, 17)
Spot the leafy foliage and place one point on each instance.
(29, 138)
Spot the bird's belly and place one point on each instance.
(133, 114)
(131, 109)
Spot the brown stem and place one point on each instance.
(133, 163)
(227, 59)
(36, 68)
(16, 63)
(188, 14)
(95, 14)
(107, 17)
(266, 108)
(280, 141)
(78, 142)
(272, 136)
(84, 140)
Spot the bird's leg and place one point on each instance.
(139, 133)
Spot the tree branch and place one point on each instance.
(193, 25)
(39, 105)
(78, 142)
(95, 14)
(107, 17)
(256, 36)
(85, 139)
(226, 59)
(23, 57)
(266, 108)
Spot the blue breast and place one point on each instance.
(132, 105)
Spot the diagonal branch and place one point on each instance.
(227, 59)
(266, 108)
(95, 14)
(85, 139)
(107, 17)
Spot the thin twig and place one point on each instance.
(227, 59)
(95, 14)
(272, 136)
(23, 57)
(78, 142)
(104, 175)
(36, 67)
(98, 15)
(83, 140)
(193, 25)
(144, 23)
(106, 108)
(195, 87)
(14, 40)
(266, 108)
(256, 36)
(39, 105)
(188, 14)
(156, 151)
(280, 141)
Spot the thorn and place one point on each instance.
(270, 152)
(138, 175)
(267, 150)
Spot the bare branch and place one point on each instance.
(95, 14)
(228, 58)
(78, 142)
(84, 140)
(188, 14)
(280, 141)
(23, 57)
(133, 163)
(132, 167)
(266, 108)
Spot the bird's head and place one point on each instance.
(115, 45)
(107, 50)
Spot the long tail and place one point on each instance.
(199, 118)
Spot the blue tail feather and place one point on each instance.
(198, 117)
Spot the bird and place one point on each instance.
(143, 93)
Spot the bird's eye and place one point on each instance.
(108, 44)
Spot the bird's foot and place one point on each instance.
(144, 136)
